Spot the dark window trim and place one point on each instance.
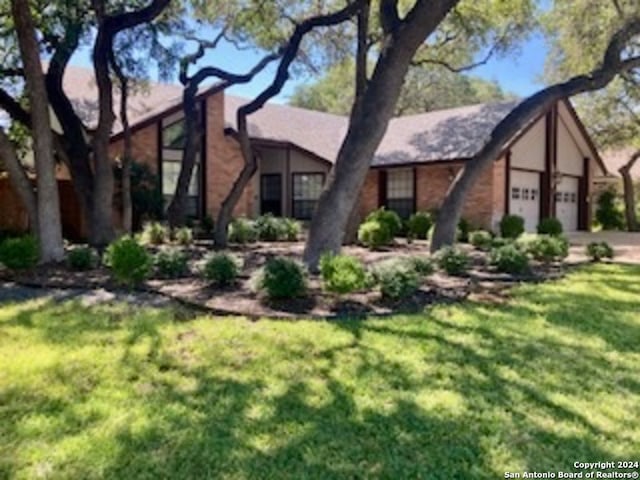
(291, 184)
(383, 189)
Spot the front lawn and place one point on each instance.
(463, 391)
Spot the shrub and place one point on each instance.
(453, 260)
(282, 278)
(221, 269)
(419, 224)
(374, 234)
(509, 259)
(171, 263)
(511, 226)
(342, 273)
(183, 236)
(81, 259)
(154, 233)
(423, 266)
(19, 253)
(389, 218)
(462, 232)
(608, 212)
(500, 242)
(550, 226)
(597, 251)
(208, 225)
(270, 228)
(242, 231)
(291, 229)
(128, 260)
(397, 278)
(546, 248)
(481, 239)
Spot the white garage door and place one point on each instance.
(525, 198)
(567, 203)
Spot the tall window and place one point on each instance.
(401, 191)
(173, 143)
(307, 188)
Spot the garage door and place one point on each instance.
(525, 198)
(567, 203)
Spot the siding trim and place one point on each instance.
(507, 183)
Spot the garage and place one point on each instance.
(525, 197)
(567, 201)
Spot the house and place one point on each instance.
(546, 170)
(614, 159)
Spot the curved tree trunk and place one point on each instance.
(48, 201)
(629, 193)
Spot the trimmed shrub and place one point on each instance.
(207, 225)
(545, 248)
(462, 232)
(19, 253)
(608, 212)
(221, 269)
(481, 239)
(418, 225)
(550, 226)
(82, 258)
(511, 226)
(183, 236)
(282, 278)
(453, 260)
(389, 218)
(500, 242)
(291, 229)
(154, 233)
(397, 278)
(269, 228)
(598, 251)
(423, 266)
(129, 261)
(374, 234)
(342, 273)
(171, 263)
(242, 231)
(509, 259)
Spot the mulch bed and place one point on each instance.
(482, 284)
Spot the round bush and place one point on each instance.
(546, 248)
(509, 259)
(183, 236)
(609, 213)
(20, 253)
(481, 239)
(511, 226)
(374, 234)
(207, 225)
(462, 232)
(419, 224)
(550, 226)
(389, 218)
(598, 251)
(291, 229)
(423, 266)
(282, 278)
(270, 228)
(81, 259)
(154, 233)
(221, 269)
(397, 278)
(171, 263)
(453, 260)
(129, 261)
(242, 231)
(342, 273)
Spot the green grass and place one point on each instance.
(464, 391)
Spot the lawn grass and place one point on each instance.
(463, 391)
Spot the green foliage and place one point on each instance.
(423, 266)
(545, 248)
(509, 259)
(342, 273)
(397, 278)
(500, 242)
(155, 233)
(282, 278)
(481, 239)
(208, 225)
(419, 224)
(291, 229)
(171, 263)
(183, 236)
(19, 253)
(129, 261)
(454, 261)
(374, 234)
(462, 232)
(550, 226)
(242, 231)
(608, 212)
(511, 226)
(277, 229)
(146, 198)
(389, 218)
(82, 258)
(598, 251)
(221, 269)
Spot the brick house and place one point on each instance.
(547, 170)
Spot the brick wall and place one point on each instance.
(13, 215)
(144, 146)
(499, 192)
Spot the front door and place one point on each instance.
(271, 194)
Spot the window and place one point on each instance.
(534, 194)
(173, 136)
(574, 197)
(525, 194)
(558, 196)
(567, 197)
(401, 192)
(515, 193)
(307, 188)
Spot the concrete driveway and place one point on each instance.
(625, 245)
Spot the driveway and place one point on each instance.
(625, 245)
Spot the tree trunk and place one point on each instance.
(19, 180)
(48, 201)
(368, 123)
(629, 193)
